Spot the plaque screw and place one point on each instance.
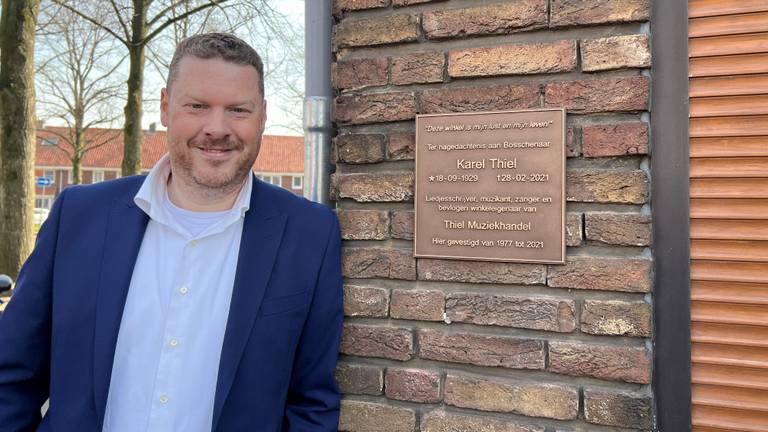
(446, 319)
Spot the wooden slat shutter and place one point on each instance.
(728, 90)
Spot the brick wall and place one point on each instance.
(437, 345)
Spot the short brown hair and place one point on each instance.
(216, 45)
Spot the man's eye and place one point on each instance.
(237, 110)
(196, 106)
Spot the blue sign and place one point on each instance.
(43, 181)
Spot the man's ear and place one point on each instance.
(264, 115)
(164, 100)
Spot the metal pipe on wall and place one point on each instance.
(318, 128)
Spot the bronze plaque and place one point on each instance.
(490, 186)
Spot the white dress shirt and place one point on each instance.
(168, 349)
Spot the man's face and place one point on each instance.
(215, 115)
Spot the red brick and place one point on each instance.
(481, 350)
(366, 301)
(360, 148)
(394, 343)
(505, 18)
(401, 146)
(602, 273)
(376, 31)
(615, 363)
(616, 52)
(600, 95)
(616, 318)
(402, 225)
(585, 12)
(573, 231)
(606, 186)
(375, 108)
(626, 229)
(481, 272)
(496, 98)
(352, 5)
(535, 400)
(363, 224)
(360, 73)
(441, 421)
(615, 408)
(360, 379)
(376, 187)
(538, 313)
(357, 416)
(413, 385)
(418, 68)
(333, 193)
(617, 139)
(385, 263)
(514, 59)
(421, 305)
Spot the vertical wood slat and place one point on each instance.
(728, 66)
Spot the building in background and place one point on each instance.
(280, 161)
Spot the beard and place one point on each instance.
(207, 177)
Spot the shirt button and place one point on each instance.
(183, 290)
(174, 342)
(163, 399)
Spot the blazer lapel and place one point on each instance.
(125, 231)
(259, 244)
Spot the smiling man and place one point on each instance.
(195, 298)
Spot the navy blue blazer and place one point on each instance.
(58, 333)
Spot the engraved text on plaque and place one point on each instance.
(491, 186)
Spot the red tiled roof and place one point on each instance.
(278, 154)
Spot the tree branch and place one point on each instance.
(179, 18)
(91, 20)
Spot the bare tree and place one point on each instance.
(17, 131)
(138, 23)
(78, 82)
(283, 52)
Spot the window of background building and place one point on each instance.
(43, 202)
(98, 176)
(297, 182)
(49, 174)
(275, 180)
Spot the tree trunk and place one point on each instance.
(133, 107)
(78, 149)
(17, 132)
(77, 176)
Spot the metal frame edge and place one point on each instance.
(670, 204)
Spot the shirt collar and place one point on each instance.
(153, 191)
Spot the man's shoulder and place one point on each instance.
(90, 194)
(285, 202)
